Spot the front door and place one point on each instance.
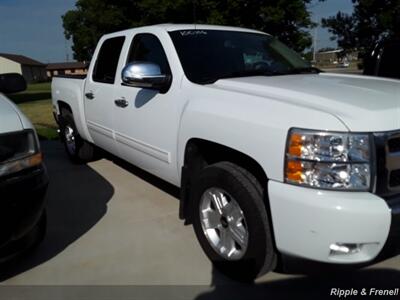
(146, 128)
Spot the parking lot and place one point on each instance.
(112, 224)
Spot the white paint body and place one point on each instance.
(251, 115)
(12, 119)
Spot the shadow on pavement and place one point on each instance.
(317, 287)
(76, 200)
(146, 176)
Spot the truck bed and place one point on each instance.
(71, 76)
(69, 89)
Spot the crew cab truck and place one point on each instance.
(23, 176)
(274, 158)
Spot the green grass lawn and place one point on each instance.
(35, 103)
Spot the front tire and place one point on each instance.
(231, 222)
(78, 150)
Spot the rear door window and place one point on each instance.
(107, 60)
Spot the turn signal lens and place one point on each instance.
(295, 145)
(35, 160)
(20, 164)
(294, 171)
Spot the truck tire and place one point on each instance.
(78, 150)
(231, 222)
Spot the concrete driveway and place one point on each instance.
(112, 224)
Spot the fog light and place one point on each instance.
(343, 249)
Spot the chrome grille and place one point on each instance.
(387, 163)
(394, 145)
(393, 161)
(394, 179)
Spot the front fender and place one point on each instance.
(253, 125)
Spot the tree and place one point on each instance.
(309, 55)
(93, 18)
(286, 19)
(371, 21)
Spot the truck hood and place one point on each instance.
(362, 103)
(9, 117)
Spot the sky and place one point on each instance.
(34, 27)
(325, 9)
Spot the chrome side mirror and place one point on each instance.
(145, 75)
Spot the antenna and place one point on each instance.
(315, 44)
(194, 3)
(315, 40)
(66, 50)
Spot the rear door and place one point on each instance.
(99, 91)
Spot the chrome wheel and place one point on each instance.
(223, 224)
(69, 134)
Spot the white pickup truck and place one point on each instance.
(274, 158)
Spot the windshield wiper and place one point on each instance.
(211, 80)
(306, 70)
(251, 73)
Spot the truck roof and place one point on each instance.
(174, 27)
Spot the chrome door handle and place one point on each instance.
(121, 103)
(89, 95)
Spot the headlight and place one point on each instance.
(18, 151)
(328, 160)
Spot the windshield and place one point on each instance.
(209, 55)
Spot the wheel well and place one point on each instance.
(63, 105)
(200, 153)
(211, 153)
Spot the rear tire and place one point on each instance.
(237, 237)
(78, 150)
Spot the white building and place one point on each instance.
(67, 68)
(335, 57)
(32, 70)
